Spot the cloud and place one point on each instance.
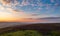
(24, 3)
(15, 13)
(34, 14)
(12, 5)
(5, 2)
(52, 1)
(14, 2)
(9, 3)
(1, 7)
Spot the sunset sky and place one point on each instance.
(28, 10)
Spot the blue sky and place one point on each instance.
(38, 7)
(31, 8)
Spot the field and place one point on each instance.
(38, 29)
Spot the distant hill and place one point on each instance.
(42, 27)
(51, 18)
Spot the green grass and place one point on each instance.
(55, 33)
(30, 33)
(23, 33)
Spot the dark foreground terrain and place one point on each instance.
(46, 29)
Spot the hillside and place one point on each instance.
(41, 27)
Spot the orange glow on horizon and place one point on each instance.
(19, 20)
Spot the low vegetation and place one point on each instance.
(23, 33)
(32, 30)
(30, 33)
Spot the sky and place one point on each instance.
(28, 10)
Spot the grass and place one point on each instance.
(30, 33)
(23, 33)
